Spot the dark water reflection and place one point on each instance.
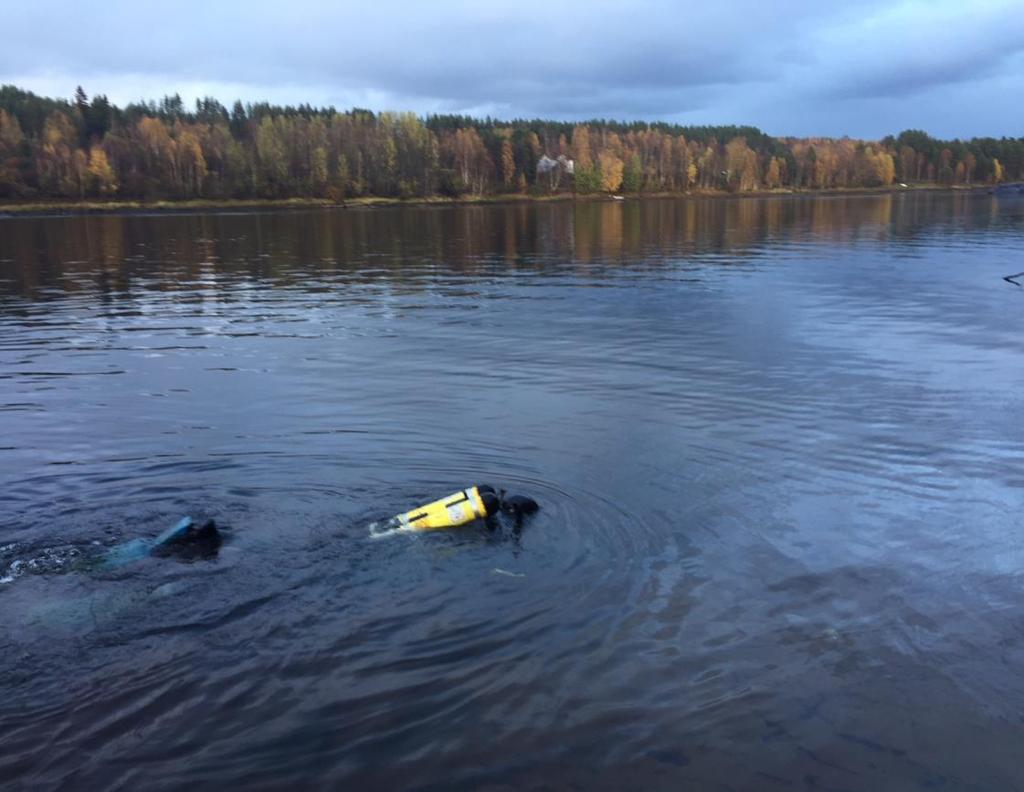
(777, 443)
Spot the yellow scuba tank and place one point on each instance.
(459, 508)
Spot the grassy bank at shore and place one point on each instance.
(63, 207)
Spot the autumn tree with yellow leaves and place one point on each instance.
(53, 148)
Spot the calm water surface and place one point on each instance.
(778, 446)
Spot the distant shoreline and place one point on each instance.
(50, 208)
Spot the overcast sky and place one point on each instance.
(865, 68)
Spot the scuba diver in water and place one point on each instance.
(188, 541)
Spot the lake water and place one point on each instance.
(778, 446)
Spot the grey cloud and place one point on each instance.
(976, 50)
(792, 66)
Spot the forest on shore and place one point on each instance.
(82, 148)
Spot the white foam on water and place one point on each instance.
(499, 571)
(375, 534)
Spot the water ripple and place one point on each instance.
(776, 445)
